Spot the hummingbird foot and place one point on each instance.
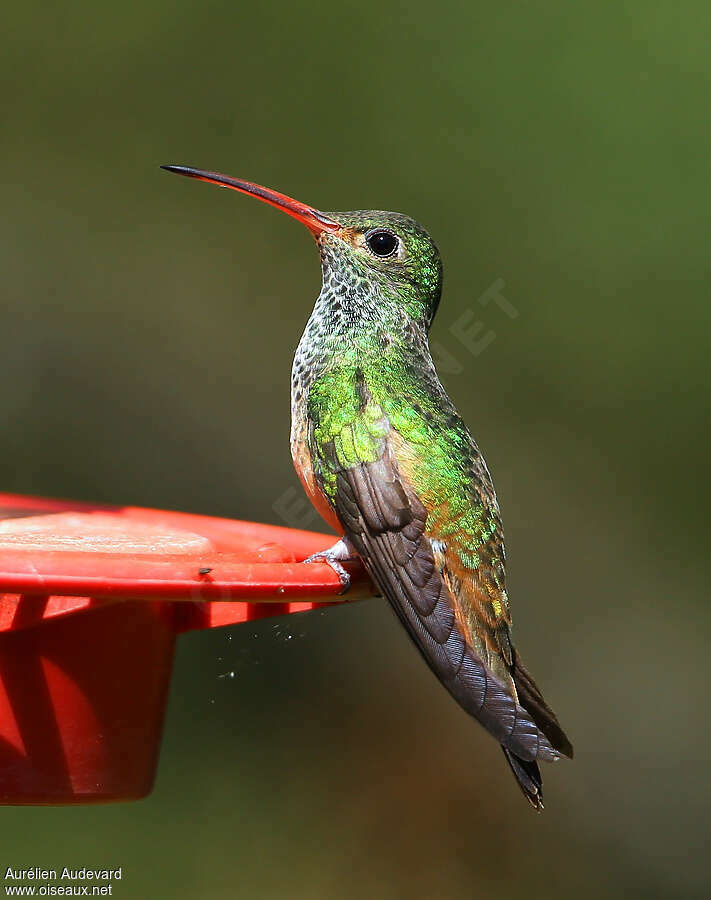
(342, 551)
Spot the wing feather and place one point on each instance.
(386, 522)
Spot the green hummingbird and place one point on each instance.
(388, 462)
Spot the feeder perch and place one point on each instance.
(91, 601)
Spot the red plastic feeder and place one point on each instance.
(91, 601)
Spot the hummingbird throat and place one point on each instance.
(357, 319)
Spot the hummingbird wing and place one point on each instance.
(386, 522)
(472, 562)
(413, 543)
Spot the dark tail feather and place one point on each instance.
(528, 777)
(532, 701)
(527, 773)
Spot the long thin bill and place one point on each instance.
(314, 220)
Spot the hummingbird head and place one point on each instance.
(387, 251)
(385, 256)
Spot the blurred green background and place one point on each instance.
(148, 326)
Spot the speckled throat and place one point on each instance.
(353, 317)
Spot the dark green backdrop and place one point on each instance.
(148, 325)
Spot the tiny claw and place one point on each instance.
(332, 560)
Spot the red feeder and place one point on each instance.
(91, 600)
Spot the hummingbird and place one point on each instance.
(387, 461)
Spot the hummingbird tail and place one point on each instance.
(528, 776)
(527, 772)
(531, 699)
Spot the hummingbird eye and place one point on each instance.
(382, 243)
